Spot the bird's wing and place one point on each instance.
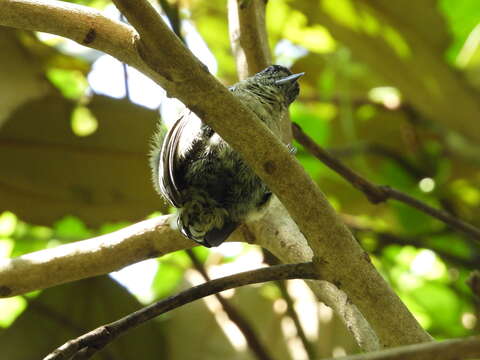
(169, 162)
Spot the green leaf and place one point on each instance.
(72, 83)
(48, 171)
(71, 227)
(167, 279)
(462, 16)
(442, 305)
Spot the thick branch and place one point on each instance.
(249, 41)
(333, 245)
(455, 349)
(98, 338)
(278, 233)
(96, 256)
(377, 194)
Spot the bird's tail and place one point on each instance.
(205, 221)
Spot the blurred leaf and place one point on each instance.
(445, 298)
(111, 227)
(209, 18)
(462, 17)
(8, 223)
(29, 238)
(414, 222)
(71, 227)
(48, 171)
(72, 83)
(99, 4)
(286, 23)
(452, 243)
(393, 175)
(201, 253)
(10, 309)
(167, 279)
(21, 75)
(83, 121)
(311, 121)
(68, 311)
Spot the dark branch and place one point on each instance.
(474, 282)
(377, 194)
(101, 336)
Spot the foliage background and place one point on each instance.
(391, 89)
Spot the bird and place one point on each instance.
(197, 172)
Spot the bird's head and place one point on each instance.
(281, 79)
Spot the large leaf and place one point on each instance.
(21, 77)
(47, 171)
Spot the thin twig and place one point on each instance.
(101, 336)
(249, 42)
(248, 36)
(474, 282)
(454, 349)
(234, 315)
(377, 194)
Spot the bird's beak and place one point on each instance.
(289, 79)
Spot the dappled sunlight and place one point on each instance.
(137, 278)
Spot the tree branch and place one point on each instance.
(87, 258)
(279, 234)
(454, 349)
(377, 194)
(101, 336)
(333, 245)
(248, 37)
(249, 41)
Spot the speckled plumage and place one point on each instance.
(201, 175)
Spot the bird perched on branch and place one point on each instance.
(202, 176)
